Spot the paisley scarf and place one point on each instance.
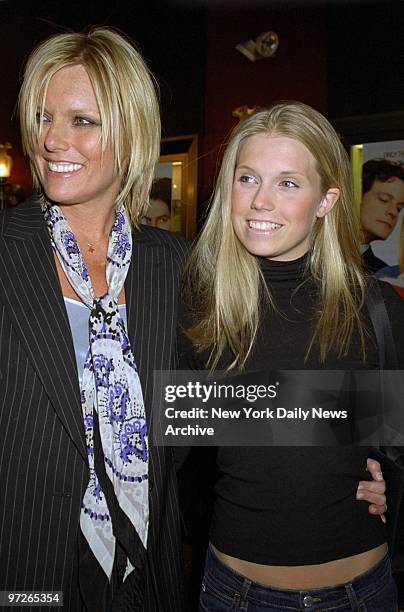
(111, 387)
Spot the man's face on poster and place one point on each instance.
(380, 208)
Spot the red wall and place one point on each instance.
(297, 71)
(18, 35)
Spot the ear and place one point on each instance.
(328, 201)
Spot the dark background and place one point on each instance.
(345, 58)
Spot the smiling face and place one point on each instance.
(68, 155)
(380, 208)
(276, 197)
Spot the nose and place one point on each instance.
(263, 199)
(392, 210)
(56, 137)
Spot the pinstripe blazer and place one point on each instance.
(43, 462)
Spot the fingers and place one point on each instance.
(379, 510)
(374, 469)
(373, 491)
(375, 498)
(379, 488)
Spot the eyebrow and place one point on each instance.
(84, 111)
(285, 172)
(239, 166)
(75, 111)
(282, 173)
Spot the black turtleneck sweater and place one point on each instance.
(295, 505)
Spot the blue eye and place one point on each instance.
(41, 118)
(289, 184)
(82, 121)
(246, 178)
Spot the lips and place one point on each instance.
(64, 167)
(384, 222)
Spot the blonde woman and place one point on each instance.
(89, 507)
(275, 281)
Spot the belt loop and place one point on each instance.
(350, 591)
(245, 588)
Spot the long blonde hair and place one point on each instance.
(226, 306)
(127, 100)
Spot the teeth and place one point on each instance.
(263, 225)
(64, 167)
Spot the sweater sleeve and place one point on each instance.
(189, 358)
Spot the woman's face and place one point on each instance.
(380, 208)
(276, 197)
(68, 155)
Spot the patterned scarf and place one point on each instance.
(111, 387)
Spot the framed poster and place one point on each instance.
(378, 137)
(378, 169)
(173, 196)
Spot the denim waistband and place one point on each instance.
(360, 587)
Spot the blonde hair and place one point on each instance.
(227, 306)
(126, 95)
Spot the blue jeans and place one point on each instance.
(224, 589)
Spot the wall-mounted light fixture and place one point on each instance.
(265, 45)
(6, 163)
(244, 111)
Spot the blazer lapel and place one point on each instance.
(151, 291)
(30, 291)
(142, 296)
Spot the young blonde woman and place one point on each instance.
(275, 281)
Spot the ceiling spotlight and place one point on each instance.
(265, 45)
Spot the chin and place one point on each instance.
(259, 252)
(57, 199)
(381, 236)
(60, 196)
(259, 248)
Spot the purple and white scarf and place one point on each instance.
(111, 387)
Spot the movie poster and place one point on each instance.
(380, 192)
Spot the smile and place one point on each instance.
(389, 225)
(263, 226)
(63, 167)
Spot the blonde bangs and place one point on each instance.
(127, 99)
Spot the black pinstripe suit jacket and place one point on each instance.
(43, 462)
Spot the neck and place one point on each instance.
(89, 221)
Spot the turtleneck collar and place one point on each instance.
(283, 271)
